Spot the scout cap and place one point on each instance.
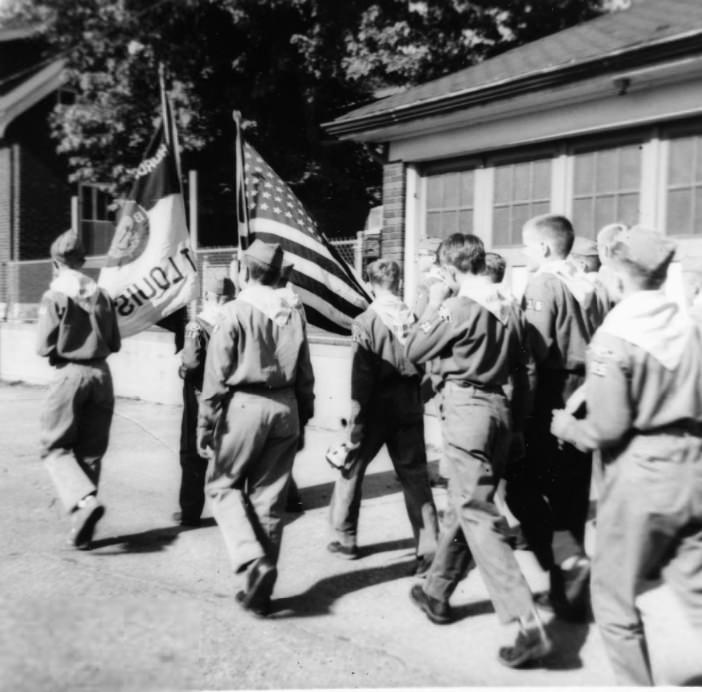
(220, 286)
(584, 247)
(268, 255)
(648, 251)
(68, 249)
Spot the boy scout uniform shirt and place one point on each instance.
(479, 341)
(77, 321)
(259, 343)
(380, 370)
(644, 373)
(561, 325)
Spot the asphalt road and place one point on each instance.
(152, 607)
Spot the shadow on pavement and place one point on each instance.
(151, 541)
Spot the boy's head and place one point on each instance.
(692, 279)
(468, 257)
(606, 238)
(447, 246)
(495, 266)
(219, 289)
(263, 263)
(385, 275)
(67, 251)
(641, 257)
(584, 254)
(547, 237)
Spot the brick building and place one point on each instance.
(601, 122)
(34, 191)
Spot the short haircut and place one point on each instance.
(495, 266)
(385, 273)
(556, 230)
(263, 273)
(645, 280)
(455, 240)
(469, 257)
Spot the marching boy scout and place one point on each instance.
(477, 338)
(386, 409)
(256, 399)
(77, 331)
(550, 495)
(644, 402)
(198, 331)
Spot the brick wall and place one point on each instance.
(393, 235)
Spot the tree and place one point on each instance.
(287, 65)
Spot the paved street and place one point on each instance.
(152, 605)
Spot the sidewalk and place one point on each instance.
(152, 606)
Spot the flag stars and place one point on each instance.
(277, 209)
(266, 195)
(263, 205)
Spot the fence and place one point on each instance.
(26, 280)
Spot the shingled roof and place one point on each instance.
(641, 34)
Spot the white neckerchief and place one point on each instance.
(573, 278)
(268, 301)
(489, 296)
(77, 286)
(649, 320)
(395, 315)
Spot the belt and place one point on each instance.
(682, 429)
(259, 388)
(466, 384)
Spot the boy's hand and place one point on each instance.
(205, 443)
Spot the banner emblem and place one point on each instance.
(131, 235)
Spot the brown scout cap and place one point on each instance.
(267, 254)
(646, 248)
(68, 249)
(220, 286)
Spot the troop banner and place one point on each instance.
(150, 271)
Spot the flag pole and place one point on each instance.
(164, 105)
(241, 201)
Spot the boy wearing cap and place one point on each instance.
(218, 291)
(477, 338)
(606, 238)
(585, 256)
(386, 408)
(644, 396)
(257, 397)
(549, 492)
(77, 332)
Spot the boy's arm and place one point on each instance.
(48, 326)
(431, 334)
(539, 305)
(363, 379)
(304, 383)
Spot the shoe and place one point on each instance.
(423, 565)
(185, 520)
(348, 552)
(84, 520)
(530, 646)
(260, 610)
(260, 580)
(439, 612)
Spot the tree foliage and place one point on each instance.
(287, 65)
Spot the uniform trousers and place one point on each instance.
(75, 428)
(255, 445)
(193, 466)
(548, 490)
(649, 525)
(404, 437)
(476, 428)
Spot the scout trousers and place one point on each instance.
(476, 428)
(255, 445)
(193, 466)
(75, 428)
(649, 524)
(405, 443)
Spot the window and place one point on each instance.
(97, 223)
(684, 190)
(449, 203)
(521, 190)
(606, 187)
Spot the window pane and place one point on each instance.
(540, 208)
(521, 213)
(521, 181)
(679, 212)
(467, 184)
(628, 211)
(697, 222)
(605, 211)
(465, 221)
(584, 174)
(500, 226)
(582, 217)
(433, 192)
(606, 171)
(433, 229)
(630, 168)
(451, 190)
(680, 161)
(503, 183)
(449, 223)
(541, 179)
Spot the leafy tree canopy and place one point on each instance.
(287, 65)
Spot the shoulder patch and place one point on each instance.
(356, 334)
(444, 314)
(192, 329)
(533, 304)
(425, 327)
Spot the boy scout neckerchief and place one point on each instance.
(395, 315)
(489, 296)
(268, 301)
(648, 320)
(210, 314)
(575, 281)
(77, 286)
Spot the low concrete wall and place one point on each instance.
(147, 368)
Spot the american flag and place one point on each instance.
(268, 210)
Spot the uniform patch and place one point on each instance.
(535, 305)
(425, 327)
(598, 368)
(192, 329)
(444, 314)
